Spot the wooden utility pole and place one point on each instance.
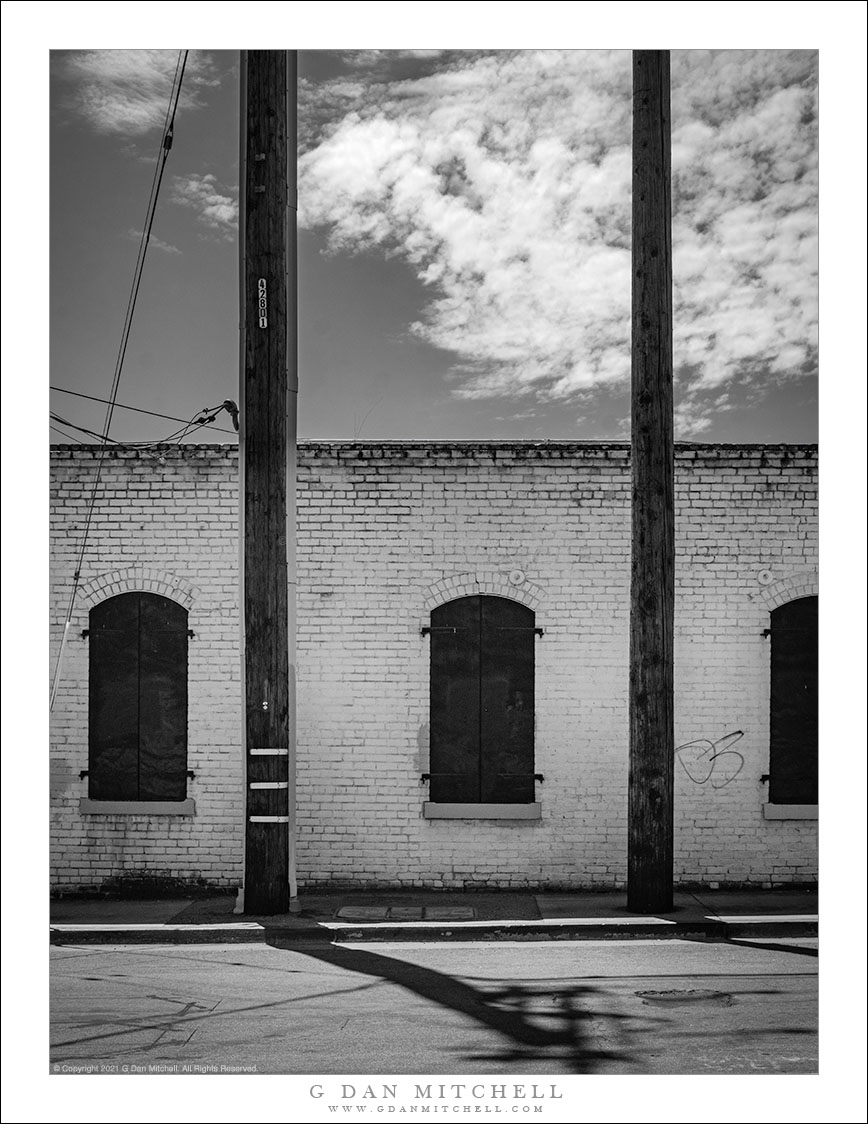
(652, 596)
(269, 383)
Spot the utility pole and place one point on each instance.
(652, 588)
(269, 386)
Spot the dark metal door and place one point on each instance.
(113, 766)
(138, 699)
(162, 699)
(506, 712)
(482, 701)
(455, 702)
(793, 744)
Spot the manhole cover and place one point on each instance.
(694, 995)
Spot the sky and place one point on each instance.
(464, 242)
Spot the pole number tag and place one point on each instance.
(263, 303)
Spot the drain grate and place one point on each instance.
(406, 913)
(450, 913)
(364, 912)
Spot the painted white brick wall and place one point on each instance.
(160, 518)
(385, 532)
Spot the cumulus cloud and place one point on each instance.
(493, 183)
(127, 93)
(745, 232)
(504, 180)
(215, 209)
(691, 419)
(153, 242)
(366, 59)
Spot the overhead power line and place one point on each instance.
(136, 409)
(162, 157)
(68, 436)
(168, 137)
(202, 419)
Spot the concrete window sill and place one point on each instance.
(790, 811)
(89, 807)
(432, 811)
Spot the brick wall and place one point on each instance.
(163, 522)
(387, 532)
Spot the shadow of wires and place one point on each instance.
(531, 1021)
(774, 946)
(759, 942)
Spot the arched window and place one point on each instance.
(793, 745)
(482, 702)
(138, 699)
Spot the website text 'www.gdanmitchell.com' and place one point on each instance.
(434, 1108)
(388, 1098)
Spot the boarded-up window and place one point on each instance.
(138, 699)
(482, 702)
(793, 751)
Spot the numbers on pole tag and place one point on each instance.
(263, 303)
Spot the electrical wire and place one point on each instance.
(168, 137)
(137, 409)
(202, 419)
(81, 429)
(162, 157)
(68, 436)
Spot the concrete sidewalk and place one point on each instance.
(379, 915)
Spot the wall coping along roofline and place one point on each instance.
(463, 446)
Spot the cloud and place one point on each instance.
(745, 235)
(504, 180)
(126, 93)
(479, 175)
(156, 243)
(370, 58)
(215, 210)
(691, 419)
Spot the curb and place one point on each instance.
(768, 928)
(571, 930)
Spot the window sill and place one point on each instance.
(790, 811)
(432, 811)
(88, 807)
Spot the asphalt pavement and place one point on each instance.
(511, 1007)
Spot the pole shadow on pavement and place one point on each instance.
(512, 1010)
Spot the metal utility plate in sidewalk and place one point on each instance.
(406, 913)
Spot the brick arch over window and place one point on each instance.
(788, 587)
(490, 583)
(138, 579)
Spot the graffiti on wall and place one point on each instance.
(714, 763)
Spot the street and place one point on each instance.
(577, 1007)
